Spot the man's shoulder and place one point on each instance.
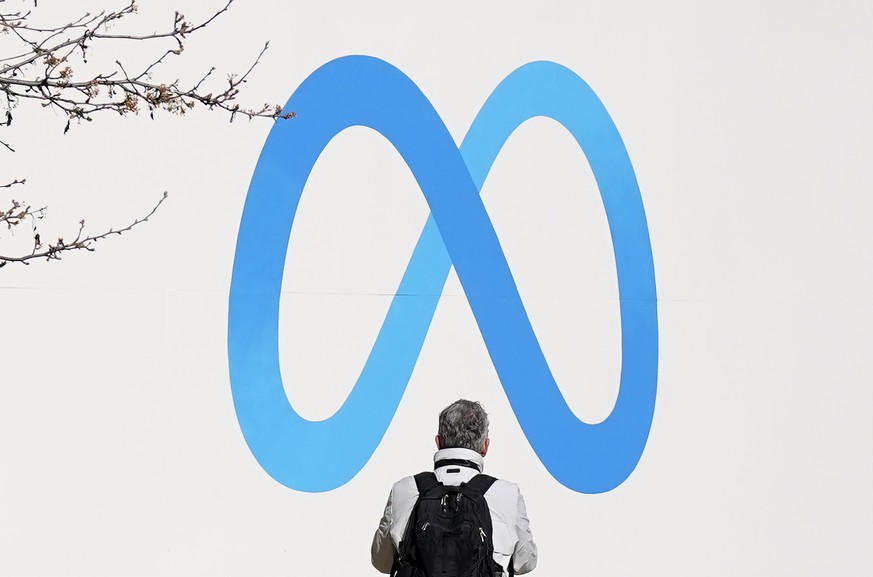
(503, 488)
(408, 480)
(504, 502)
(404, 489)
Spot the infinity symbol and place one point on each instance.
(322, 455)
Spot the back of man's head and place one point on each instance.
(463, 424)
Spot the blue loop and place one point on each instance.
(362, 91)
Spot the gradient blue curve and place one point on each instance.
(362, 91)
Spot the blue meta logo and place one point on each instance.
(315, 456)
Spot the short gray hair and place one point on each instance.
(463, 424)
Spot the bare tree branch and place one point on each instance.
(55, 251)
(46, 68)
(49, 66)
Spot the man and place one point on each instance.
(462, 442)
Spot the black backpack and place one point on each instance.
(449, 531)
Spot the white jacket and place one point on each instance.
(512, 536)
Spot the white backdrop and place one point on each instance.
(750, 128)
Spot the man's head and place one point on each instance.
(463, 424)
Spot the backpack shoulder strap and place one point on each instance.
(479, 484)
(425, 482)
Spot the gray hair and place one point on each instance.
(463, 424)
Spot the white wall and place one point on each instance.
(749, 126)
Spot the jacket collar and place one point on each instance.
(460, 454)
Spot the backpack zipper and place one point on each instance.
(482, 534)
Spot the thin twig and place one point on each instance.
(54, 251)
